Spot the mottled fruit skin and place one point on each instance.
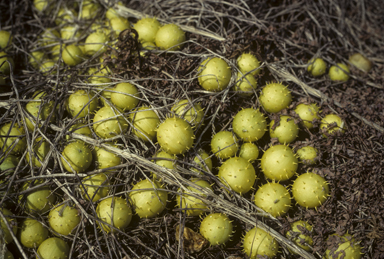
(249, 124)
(279, 163)
(308, 155)
(275, 97)
(286, 132)
(247, 62)
(214, 74)
(170, 37)
(259, 242)
(175, 136)
(308, 113)
(249, 151)
(145, 122)
(147, 200)
(119, 208)
(238, 174)
(246, 84)
(310, 190)
(304, 237)
(202, 160)
(193, 205)
(64, 219)
(17, 142)
(317, 67)
(273, 198)
(12, 223)
(53, 248)
(81, 103)
(333, 124)
(108, 123)
(360, 62)
(95, 187)
(76, 157)
(348, 248)
(193, 113)
(224, 144)
(125, 96)
(147, 29)
(216, 228)
(339, 73)
(32, 233)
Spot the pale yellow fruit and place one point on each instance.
(360, 62)
(72, 55)
(125, 96)
(317, 67)
(340, 72)
(193, 113)
(96, 43)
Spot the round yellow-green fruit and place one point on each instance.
(53, 247)
(108, 123)
(333, 124)
(216, 228)
(286, 132)
(64, 219)
(202, 160)
(5, 39)
(72, 55)
(40, 148)
(258, 242)
(214, 74)
(249, 124)
(12, 222)
(37, 201)
(347, 248)
(95, 187)
(339, 72)
(32, 233)
(308, 113)
(275, 97)
(193, 113)
(249, 151)
(308, 155)
(118, 24)
(12, 138)
(360, 62)
(170, 37)
(96, 43)
(301, 234)
(147, 29)
(245, 84)
(76, 157)
(317, 67)
(248, 63)
(273, 198)
(144, 123)
(125, 96)
(104, 158)
(40, 109)
(5, 61)
(224, 144)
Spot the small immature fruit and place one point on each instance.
(147, 200)
(286, 132)
(32, 233)
(64, 219)
(118, 24)
(193, 113)
(245, 84)
(224, 144)
(249, 124)
(76, 157)
(202, 160)
(53, 247)
(147, 29)
(5, 39)
(249, 151)
(317, 67)
(333, 124)
(108, 123)
(95, 43)
(175, 136)
(307, 155)
(104, 158)
(115, 211)
(39, 200)
(340, 72)
(279, 163)
(95, 187)
(170, 37)
(11, 222)
(40, 150)
(214, 74)
(72, 55)
(238, 174)
(301, 234)
(39, 109)
(275, 97)
(193, 205)
(125, 97)
(348, 248)
(273, 198)
(216, 228)
(15, 144)
(248, 63)
(310, 190)
(145, 122)
(360, 62)
(308, 113)
(258, 242)
(5, 68)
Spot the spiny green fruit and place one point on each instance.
(317, 67)
(9, 163)
(39, 109)
(117, 25)
(245, 84)
(53, 247)
(224, 144)
(147, 200)
(39, 200)
(275, 97)
(104, 158)
(11, 222)
(247, 62)
(40, 149)
(238, 174)
(249, 124)
(5, 68)
(36, 59)
(193, 113)
(115, 211)
(164, 163)
(332, 123)
(32, 233)
(286, 132)
(125, 97)
(193, 205)
(80, 128)
(72, 55)
(145, 122)
(308, 113)
(339, 72)
(15, 144)
(273, 198)
(310, 190)
(108, 123)
(214, 74)
(279, 163)
(301, 234)
(76, 157)
(175, 135)
(96, 43)
(170, 37)
(259, 242)
(81, 103)
(95, 187)
(64, 219)
(202, 160)
(249, 152)
(216, 228)
(348, 248)
(5, 39)
(70, 32)
(360, 62)
(147, 29)
(307, 155)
